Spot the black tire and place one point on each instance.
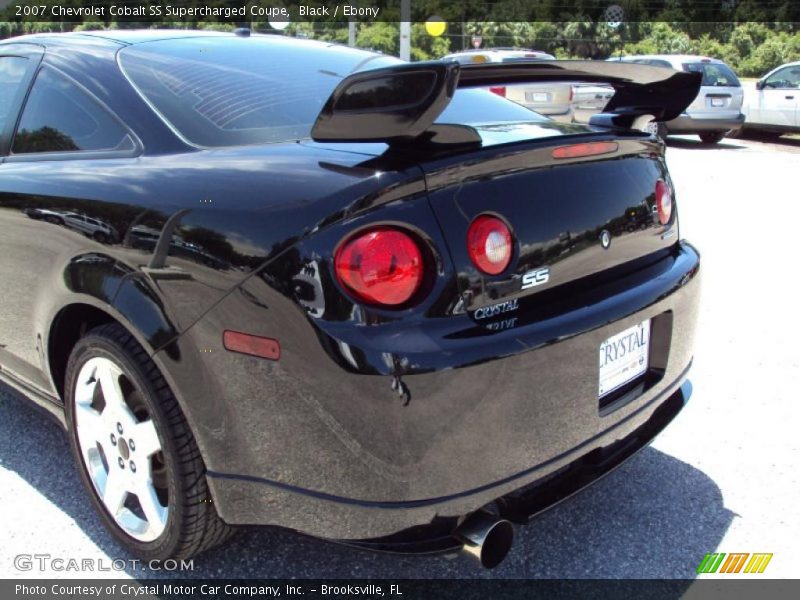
(769, 136)
(192, 524)
(712, 137)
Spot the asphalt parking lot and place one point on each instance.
(723, 477)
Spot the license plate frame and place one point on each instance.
(537, 96)
(623, 357)
(717, 102)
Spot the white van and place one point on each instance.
(716, 110)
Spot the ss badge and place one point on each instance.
(535, 277)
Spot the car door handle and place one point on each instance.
(790, 97)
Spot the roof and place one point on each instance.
(118, 36)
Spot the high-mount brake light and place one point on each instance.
(490, 244)
(585, 149)
(663, 202)
(381, 266)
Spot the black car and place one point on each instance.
(342, 299)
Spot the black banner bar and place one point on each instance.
(707, 589)
(451, 11)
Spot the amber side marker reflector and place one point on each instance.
(253, 345)
(585, 149)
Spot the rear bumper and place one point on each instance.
(427, 526)
(687, 123)
(306, 444)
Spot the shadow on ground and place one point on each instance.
(655, 517)
(692, 143)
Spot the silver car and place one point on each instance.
(552, 99)
(717, 109)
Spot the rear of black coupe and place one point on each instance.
(463, 312)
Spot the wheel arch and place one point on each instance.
(100, 292)
(68, 326)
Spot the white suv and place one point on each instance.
(716, 110)
(93, 228)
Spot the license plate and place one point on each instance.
(717, 102)
(623, 357)
(537, 96)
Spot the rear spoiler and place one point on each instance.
(399, 104)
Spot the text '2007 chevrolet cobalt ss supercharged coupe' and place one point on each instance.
(267, 281)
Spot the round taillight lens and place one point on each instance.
(663, 202)
(489, 243)
(380, 266)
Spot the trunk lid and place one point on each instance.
(559, 210)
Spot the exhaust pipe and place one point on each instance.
(486, 538)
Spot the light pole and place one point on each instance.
(405, 29)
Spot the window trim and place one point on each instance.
(33, 53)
(137, 150)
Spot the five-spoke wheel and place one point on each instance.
(137, 455)
(120, 450)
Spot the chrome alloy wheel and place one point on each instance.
(120, 449)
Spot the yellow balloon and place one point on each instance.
(435, 28)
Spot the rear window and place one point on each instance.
(237, 91)
(654, 62)
(714, 74)
(230, 91)
(480, 107)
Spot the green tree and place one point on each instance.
(426, 47)
(379, 36)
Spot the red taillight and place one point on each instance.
(489, 243)
(500, 90)
(571, 93)
(380, 266)
(585, 149)
(663, 202)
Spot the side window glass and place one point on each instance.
(60, 117)
(788, 78)
(12, 70)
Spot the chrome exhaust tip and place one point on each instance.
(486, 538)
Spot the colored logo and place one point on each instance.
(736, 562)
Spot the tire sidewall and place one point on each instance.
(97, 345)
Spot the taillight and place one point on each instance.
(380, 266)
(500, 90)
(571, 93)
(663, 202)
(490, 245)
